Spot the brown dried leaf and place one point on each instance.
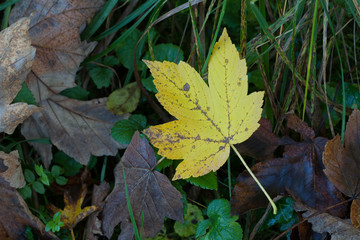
(15, 215)
(338, 228)
(55, 32)
(150, 193)
(13, 173)
(93, 224)
(295, 123)
(299, 173)
(262, 144)
(16, 58)
(78, 128)
(355, 213)
(343, 164)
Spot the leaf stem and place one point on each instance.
(229, 176)
(256, 180)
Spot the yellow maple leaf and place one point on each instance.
(209, 118)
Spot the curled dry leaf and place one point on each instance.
(16, 58)
(150, 193)
(13, 173)
(209, 118)
(342, 165)
(338, 228)
(299, 173)
(15, 216)
(78, 128)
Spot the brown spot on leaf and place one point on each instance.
(186, 87)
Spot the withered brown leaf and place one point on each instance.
(299, 173)
(150, 193)
(342, 165)
(338, 228)
(16, 58)
(15, 216)
(79, 128)
(13, 173)
(262, 144)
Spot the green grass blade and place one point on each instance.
(98, 19)
(128, 19)
(199, 47)
(7, 4)
(215, 37)
(312, 39)
(341, 69)
(351, 6)
(5, 21)
(123, 36)
(131, 213)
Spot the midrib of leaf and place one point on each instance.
(198, 107)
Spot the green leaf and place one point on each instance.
(192, 217)
(76, 93)
(124, 100)
(201, 228)
(125, 49)
(164, 163)
(25, 95)
(49, 226)
(57, 217)
(149, 84)
(124, 129)
(39, 170)
(220, 225)
(29, 234)
(61, 180)
(29, 176)
(166, 52)
(285, 217)
(55, 171)
(219, 208)
(101, 76)
(208, 181)
(69, 165)
(45, 180)
(25, 192)
(92, 162)
(111, 61)
(38, 187)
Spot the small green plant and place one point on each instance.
(219, 225)
(45, 177)
(55, 224)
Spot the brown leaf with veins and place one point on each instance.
(16, 58)
(338, 228)
(79, 128)
(299, 173)
(342, 165)
(150, 193)
(15, 216)
(13, 173)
